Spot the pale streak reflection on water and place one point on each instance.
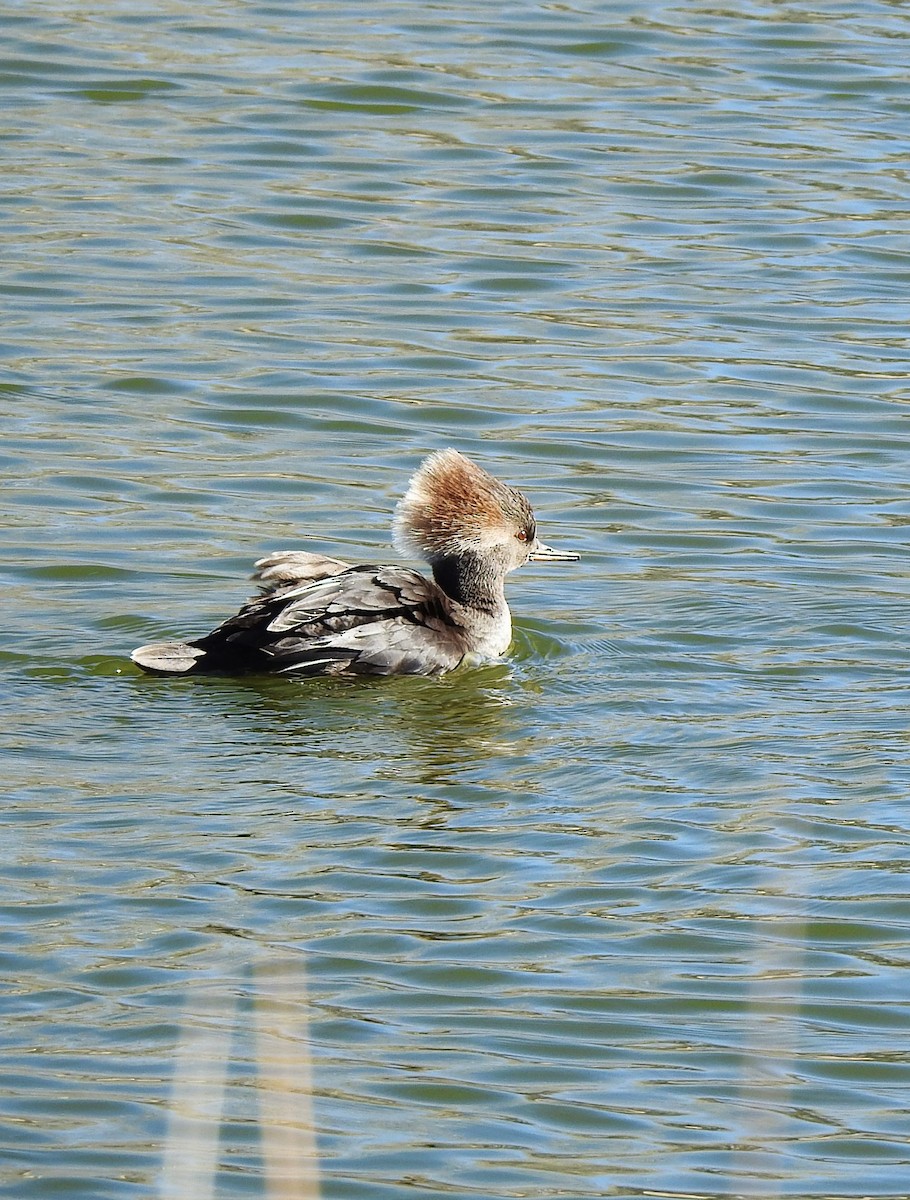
(625, 915)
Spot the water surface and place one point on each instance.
(624, 915)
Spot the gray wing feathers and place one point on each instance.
(351, 597)
(291, 568)
(363, 620)
(381, 648)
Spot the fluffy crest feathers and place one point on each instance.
(452, 506)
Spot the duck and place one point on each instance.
(319, 616)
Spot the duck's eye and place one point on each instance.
(521, 535)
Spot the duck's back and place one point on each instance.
(363, 620)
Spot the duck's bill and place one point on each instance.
(542, 553)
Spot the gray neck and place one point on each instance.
(474, 581)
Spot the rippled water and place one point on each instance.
(626, 915)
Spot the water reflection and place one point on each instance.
(282, 1061)
(428, 729)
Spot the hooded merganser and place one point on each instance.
(320, 616)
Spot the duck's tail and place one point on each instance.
(169, 658)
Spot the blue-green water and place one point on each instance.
(624, 916)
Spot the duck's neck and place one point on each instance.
(473, 581)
